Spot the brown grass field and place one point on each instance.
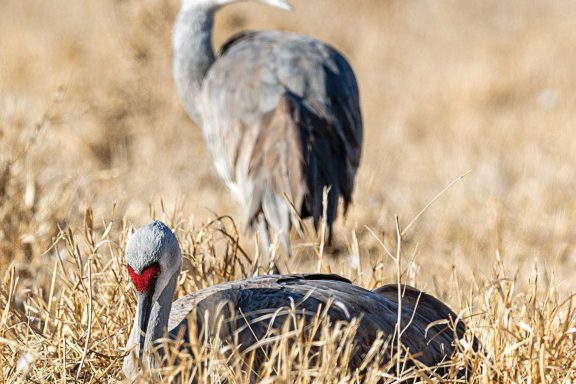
(93, 141)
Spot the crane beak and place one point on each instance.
(143, 313)
(282, 4)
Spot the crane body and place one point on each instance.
(280, 115)
(248, 306)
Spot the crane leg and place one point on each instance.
(264, 236)
(285, 238)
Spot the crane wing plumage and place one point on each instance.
(281, 117)
(444, 324)
(254, 303)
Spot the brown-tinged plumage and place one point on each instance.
(280, 115)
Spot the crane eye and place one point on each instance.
(145, 281)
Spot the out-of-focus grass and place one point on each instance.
(89, 118)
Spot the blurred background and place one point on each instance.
(89, 117)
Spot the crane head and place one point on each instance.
(153, 257)
(282, 4)
(152, 244)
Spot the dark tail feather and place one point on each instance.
(432, 310)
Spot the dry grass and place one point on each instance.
(89, 119)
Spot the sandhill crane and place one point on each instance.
(154, 261)
(279, 113)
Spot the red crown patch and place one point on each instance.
(144, 282)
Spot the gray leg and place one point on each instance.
(264, 235)
(285, 239)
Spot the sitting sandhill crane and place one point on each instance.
(154, 261)
(280, 115)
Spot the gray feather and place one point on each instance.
(291, 103)
(251, 299)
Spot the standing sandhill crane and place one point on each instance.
(154, 261)
(279, 113)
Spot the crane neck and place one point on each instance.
(193, 54)
(157, 326)
(160, 312)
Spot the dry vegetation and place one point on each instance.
(93, 140)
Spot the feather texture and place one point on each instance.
(248, 305)
(280, 114)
